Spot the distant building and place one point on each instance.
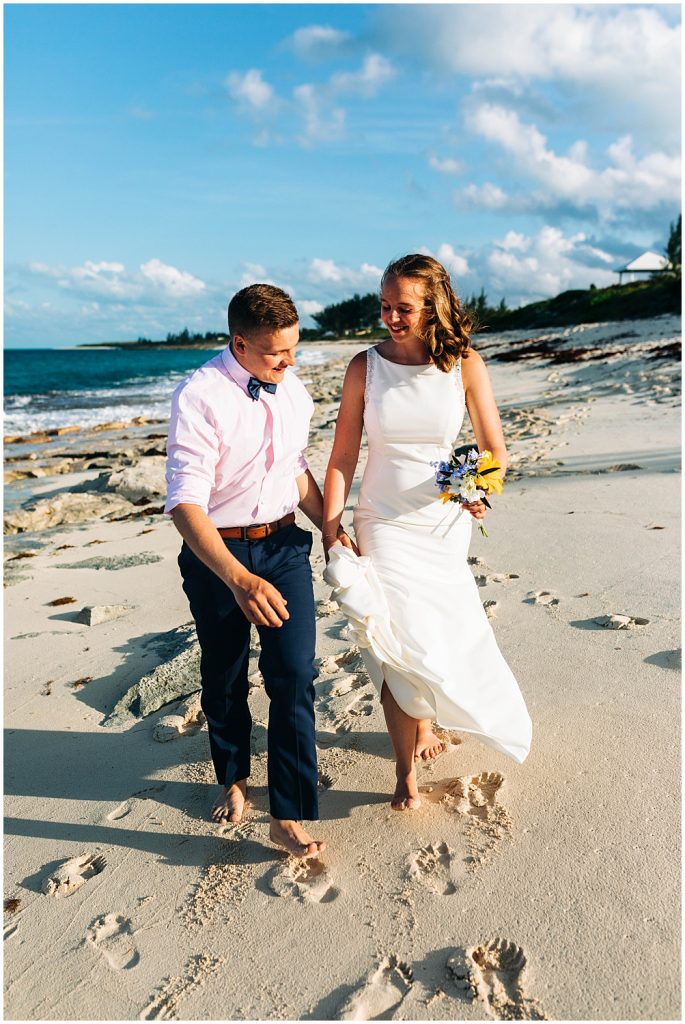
(648, 263)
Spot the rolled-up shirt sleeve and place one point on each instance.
(301, 466)
(192, 452)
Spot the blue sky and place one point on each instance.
(158, 157)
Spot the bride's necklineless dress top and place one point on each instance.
(412, 601)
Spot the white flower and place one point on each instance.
(468, 490)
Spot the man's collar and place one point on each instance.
(239, 374)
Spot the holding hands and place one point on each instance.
(339, 537)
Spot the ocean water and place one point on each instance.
(47, 388)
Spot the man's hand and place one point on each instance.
(260, 602)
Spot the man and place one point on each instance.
(236, 472)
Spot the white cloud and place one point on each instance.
(251, 89)
(110, 280)
(525, 268)
(329, 272)
(314, 105)
(447, 165)
(324, 122)
(489, 196)
(321, 124)
(625, 182)
(457, 266)
(371, 76)
(315, 41)
(254, 273)
(173, 281)
(309, 306)
(92, 270)
(624, 59)
(514, 240)
(42, 268)
(545, 40)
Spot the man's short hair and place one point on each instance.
(260, 307)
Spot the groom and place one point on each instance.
(236, 472)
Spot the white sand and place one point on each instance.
(515, 891)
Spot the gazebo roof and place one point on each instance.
(649, 261)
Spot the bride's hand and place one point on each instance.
(476, 508)
(340, 538)
(347, 542)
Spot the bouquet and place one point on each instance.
(467, 476)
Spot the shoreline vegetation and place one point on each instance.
(357, 318)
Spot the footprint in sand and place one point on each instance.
(343, 721)
(72, 874)
(127, 806)
(490, 608)
(620, 621)
(544, 597)
(433, 867)
(476, 798)
(450, 739)
(304, 879)
(111, 936)
(121, 811)
(495, 577)
(475, 795)
(349, 660)
(382, 993)
(324, 608)
(326, 781)
(346, 685)
(494, 974)
(187, 721)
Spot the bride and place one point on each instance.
(411, 598)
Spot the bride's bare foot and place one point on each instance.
(230, 804)
(406, 795)
(428, 745)
(293, 838)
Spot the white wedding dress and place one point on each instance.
(411, 600)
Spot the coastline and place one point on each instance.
(559, 857)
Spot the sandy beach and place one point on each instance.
(548, 890)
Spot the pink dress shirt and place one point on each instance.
(236, 458)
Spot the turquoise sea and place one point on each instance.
(46, 388)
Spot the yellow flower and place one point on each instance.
(445, 496)
(487, 480)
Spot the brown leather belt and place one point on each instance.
(258, 532)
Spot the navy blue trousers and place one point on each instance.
(286, 662)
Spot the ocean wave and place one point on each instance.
(140, 395)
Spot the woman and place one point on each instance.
(426, 641)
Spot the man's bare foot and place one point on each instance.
(293, 838)
(428, 745)
(406, 795)
(230, 804)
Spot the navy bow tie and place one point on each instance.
(253, 386)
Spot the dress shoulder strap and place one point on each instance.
(456, 375)
(371, 357)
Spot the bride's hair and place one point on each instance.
(445, 326)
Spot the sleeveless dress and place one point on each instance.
(411, 599)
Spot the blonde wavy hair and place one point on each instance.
(445, 326)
